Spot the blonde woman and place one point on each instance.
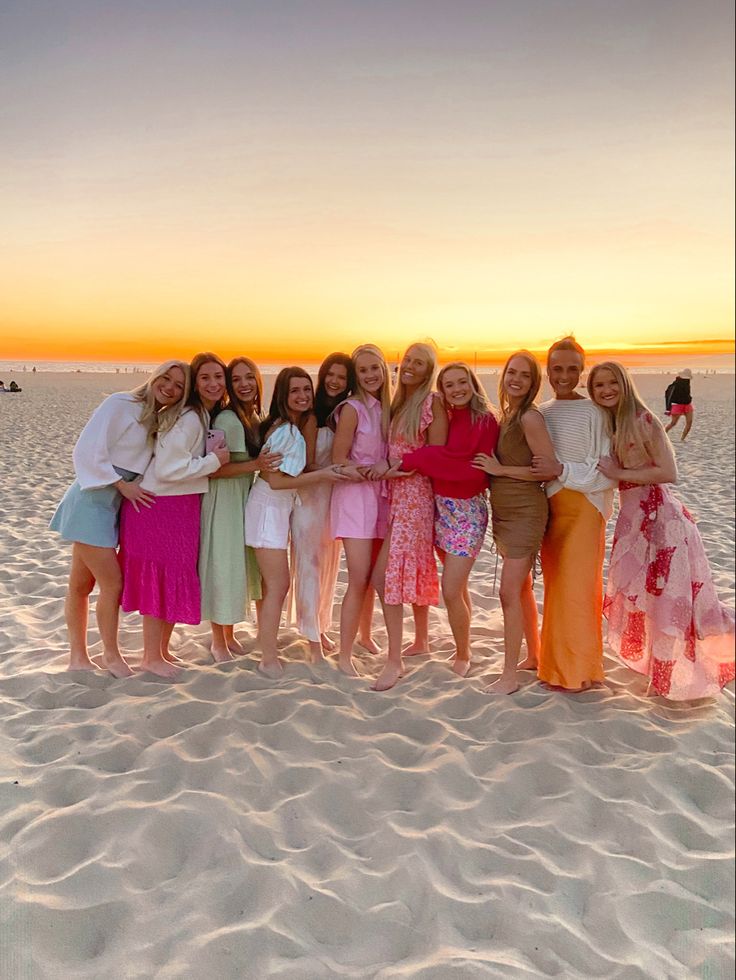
(114, 448)
(519, 508)
(665, 619)
(405, 569)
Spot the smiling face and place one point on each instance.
(244, 383)
(415, 368)
(605, 389)
(370, 373)
(210, 383)
(299, 398)
(564, 370)
(336, 380)
(456, 387)
(168, 388)
(517, 379)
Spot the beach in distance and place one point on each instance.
(225, 825)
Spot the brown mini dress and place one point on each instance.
(518, 507)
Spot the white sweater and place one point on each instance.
(113, 436)
(178, 466)
(577, 428)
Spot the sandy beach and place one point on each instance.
(227, 826)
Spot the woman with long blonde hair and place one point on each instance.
(665, 619)
(460, 493)
(405, 570)
(112, 452)
(519, 510)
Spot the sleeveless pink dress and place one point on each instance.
(360, 510)
(411, 571)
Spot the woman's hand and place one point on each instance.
(135, 493)
(223, 454)
(546, 468)
(352, 471)
(267, 461)
(609, 466)
(488, 463)
(338, 473)
(395, 471)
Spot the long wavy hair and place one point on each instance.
(406, 408)
(479, 405)
(384, 395)
(512, 415)
(249, 417)
(160, 420)
(627, 439)
(194, 401)
(278, 410)
(324, 404)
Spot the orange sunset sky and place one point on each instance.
(287, 178)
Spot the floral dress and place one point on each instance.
(664, 616)
(411, 570)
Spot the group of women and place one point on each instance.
(167, 472)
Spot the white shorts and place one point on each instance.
(267, 516)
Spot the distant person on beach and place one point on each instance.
(228, 570)
(460, 493)
(273, 498)
(580, 502)
(664, 616)
(519, 511)
(406, 569)
(113, 450)
(2, 386)
(160, 544)
(679, 402)
(315, 554)
(359, 510)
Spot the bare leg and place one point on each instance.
(674, 419)
(233, 645)
(358, 556)
(219, 649)
(274, 566)
(515, 571)
(76, 611)
(531, 625)
(365, 629)
(166, 632)
(688, 425)
(420, 644)
(155, 634)
(103, 565)
(457, 600)
(393, 615)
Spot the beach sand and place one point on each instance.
(226, 826)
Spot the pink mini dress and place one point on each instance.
(360, 510)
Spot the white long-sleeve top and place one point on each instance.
(179, 465)
(113, 437)
(577, 428)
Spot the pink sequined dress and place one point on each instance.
(411, 571)
(665, 619)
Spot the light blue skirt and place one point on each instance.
(91, 516)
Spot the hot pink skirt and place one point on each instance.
(159, 547)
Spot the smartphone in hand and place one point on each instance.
(215, 440)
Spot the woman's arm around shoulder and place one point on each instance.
(437, 430)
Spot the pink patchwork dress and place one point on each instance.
(411, 571)
(664, 616)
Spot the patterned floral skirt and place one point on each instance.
(664, 616)
(460, 525)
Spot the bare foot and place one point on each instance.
(415, 649)
(221, 655)
(161, 668)
(236, 647)
(170, 658)
(81, 661)
(528, 663)
(115, 665)
(461, 666)
(271, 668)
(388, 677)
(504, 685)
(328, 644)
(369, 645)
(346, 665)
(315, 652)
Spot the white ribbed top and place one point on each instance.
(577, 428)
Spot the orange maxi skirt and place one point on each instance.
(572, 554)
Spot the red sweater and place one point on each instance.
(449, 466)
